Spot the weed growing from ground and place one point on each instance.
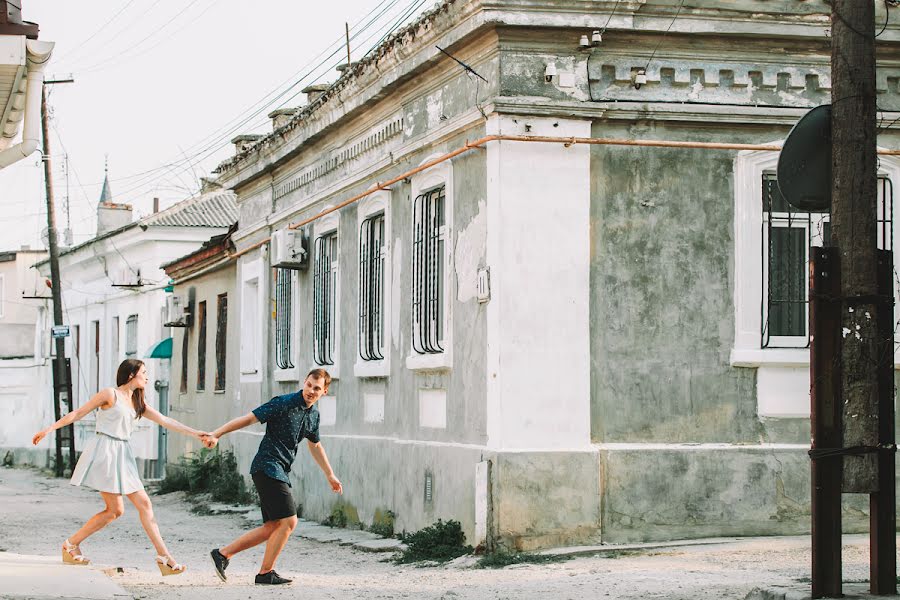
(439, 542)
(209, 471)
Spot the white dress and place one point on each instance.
(107, 463)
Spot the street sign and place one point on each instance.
(59, 331)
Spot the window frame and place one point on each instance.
(327, 227)
(378, 203)
(430, 179)
(221, 343)
(252, 320)
(131, 336)
(291, 372)
(201, 345)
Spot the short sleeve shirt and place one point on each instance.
(288, 420)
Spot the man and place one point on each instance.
(288, 419)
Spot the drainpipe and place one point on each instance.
(38, 55)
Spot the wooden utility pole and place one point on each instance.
(864, 353)
(62, 386)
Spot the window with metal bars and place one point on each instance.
(428, 302)
(221, 332)
(284, 318)
(325, 298)
(371, 288)
(787, 236)
(131, 325)
(201, 346)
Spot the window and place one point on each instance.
(372, 253)
(114, 345)
(184, 360)
(221, 331)
(252, 320)
(201, 346)
(284, 318)
(2, 294)
(131, 331)
(325, 299)
(429, 242)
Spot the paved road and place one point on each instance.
(37, 513)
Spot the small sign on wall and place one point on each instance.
(59, 331)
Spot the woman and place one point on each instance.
(107, 463)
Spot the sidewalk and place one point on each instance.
(37, 577)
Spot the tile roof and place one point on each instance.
(212, 209)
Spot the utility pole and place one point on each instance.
(62, 385)
(864, 392)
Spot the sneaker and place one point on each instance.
(271, 578)
(220, 563)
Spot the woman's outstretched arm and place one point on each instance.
(101, 398)
(170, 423)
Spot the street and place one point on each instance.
(38, 512)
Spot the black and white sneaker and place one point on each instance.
(220, 563)
(271, 578)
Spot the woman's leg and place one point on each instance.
(145, 510)
(114, 509)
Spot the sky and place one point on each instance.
(162, 86)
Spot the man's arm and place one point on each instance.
(212, 439)
(318, 454)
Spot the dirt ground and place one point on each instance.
(38, 512)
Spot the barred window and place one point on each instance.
(325, 299)
(371, 288)
(428, 301)
(284, 309)
(201, 346)
(131, 325)
(787, 236)
(221, 332)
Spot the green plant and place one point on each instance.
(208, 471)
(439, 542)
(498, 560)
(343, 514)
(383, 523)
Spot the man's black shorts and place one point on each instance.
(275, 498)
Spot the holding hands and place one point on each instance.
(209, 440)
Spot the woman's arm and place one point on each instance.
(170, 423)
(101, 398)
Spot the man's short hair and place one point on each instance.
(320, 374)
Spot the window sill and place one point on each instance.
(372, 368)
(333, 370)
(292, 374)
(775, 357)
(429, 362)
(218, 391)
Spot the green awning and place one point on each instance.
(161, 349)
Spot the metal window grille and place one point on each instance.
(787, 236)
(324, 299)
(131, 325)
(201, 345)
(221, 332)
(184, 361)
(371, 288)
(284, 309)
(428, 271)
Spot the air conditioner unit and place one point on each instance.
(289, 249)
(178, 312)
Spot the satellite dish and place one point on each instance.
(804, 165)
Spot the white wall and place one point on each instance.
(538, 377)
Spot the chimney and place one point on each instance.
(155, 205)
(281, 116)
(314, 91)
(111, 215)
(243, 141)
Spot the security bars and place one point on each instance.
(284, 296)
(324, 296)
(428, 271)
(787, 236)
(371, 288)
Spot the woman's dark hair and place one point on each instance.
(127, 370)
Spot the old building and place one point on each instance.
(26, 404)
(204, 369)
(114, 299)
(550, 325)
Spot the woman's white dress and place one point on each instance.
(107, 463)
